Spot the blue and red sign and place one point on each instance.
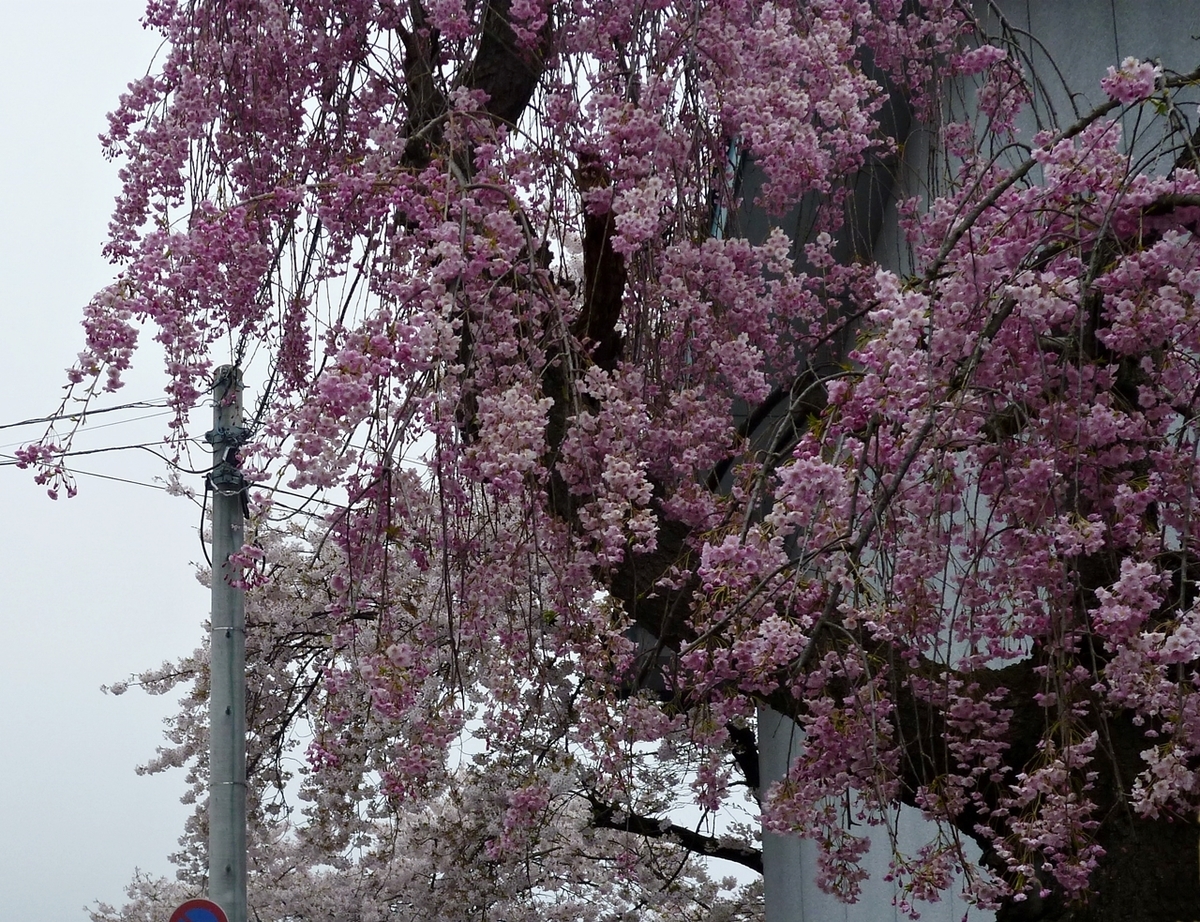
(199, 911)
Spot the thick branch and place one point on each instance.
(607, 816)
(503, 69)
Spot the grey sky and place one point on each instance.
(99, 586)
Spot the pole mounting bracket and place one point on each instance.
(227, 435)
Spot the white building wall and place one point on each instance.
(790, 863)
(1081, 38)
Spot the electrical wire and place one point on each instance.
(9, 460)
(137, 483)
(120, 422)
(200, 531)
(13, 460)
(136, 405)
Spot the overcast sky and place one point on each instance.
(102, 585)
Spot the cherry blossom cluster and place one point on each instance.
(482, 262)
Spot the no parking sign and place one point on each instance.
(199, 911)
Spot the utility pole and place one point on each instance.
(227, 657)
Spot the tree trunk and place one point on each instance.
(1150, 873)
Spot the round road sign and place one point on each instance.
(199, 911)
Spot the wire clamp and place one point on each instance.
(227, 435)
(226, 478)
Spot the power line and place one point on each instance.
(83, 414)
(120, 422)
(289, 511)
(12, 460)
(136, 483)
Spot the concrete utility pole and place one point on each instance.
(227, 658)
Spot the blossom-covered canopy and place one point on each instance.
(590, 475)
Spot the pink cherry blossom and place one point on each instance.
(594, 459)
